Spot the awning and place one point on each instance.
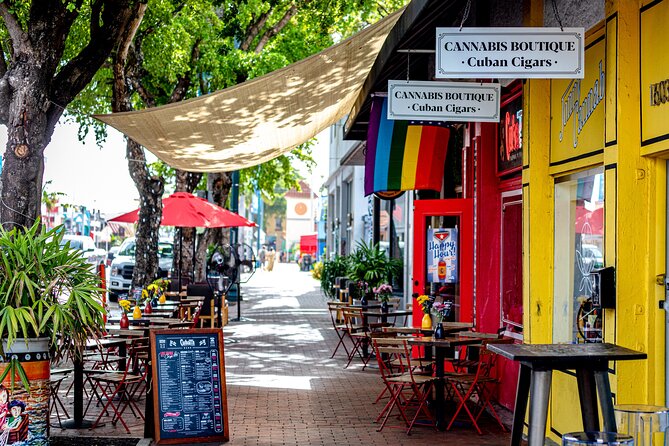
(260, 119)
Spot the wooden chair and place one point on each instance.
(358, 333)
(340, 329)
(407, 388)
(208, 310)
(57, 377)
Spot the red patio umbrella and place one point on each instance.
(185, 210)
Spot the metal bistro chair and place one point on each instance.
(114, 391)
(340, 329)
(473, 389)
(358, 333)
(57, 377)
(407, 388)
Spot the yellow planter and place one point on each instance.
(426, 323)
(137, 312)
(162, 299)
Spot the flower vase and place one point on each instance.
(426, 323)
(137, 312)
(162, 299)
(124, 322)
(154, 302)
(439, 331)
(363, 300)
(148, 308)
(384, 307)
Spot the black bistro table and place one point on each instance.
(537, 362)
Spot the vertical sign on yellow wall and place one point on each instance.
(654, 77)
(578, 109)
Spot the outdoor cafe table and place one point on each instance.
(145, 321)
(441, 347)
(537, 362)
(449, 327)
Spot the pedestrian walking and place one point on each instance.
(262, 256)
(270, 259)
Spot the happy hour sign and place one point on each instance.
(442, 255)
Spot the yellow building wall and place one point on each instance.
(635, 209)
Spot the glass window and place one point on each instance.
(578, 250)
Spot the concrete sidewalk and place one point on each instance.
(283, 388)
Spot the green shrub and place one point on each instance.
(316, 270)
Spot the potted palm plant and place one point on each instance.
(49, 307)
(370, 265)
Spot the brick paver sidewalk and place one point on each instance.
(283, 388)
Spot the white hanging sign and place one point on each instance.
(443, 101)
(510, 53)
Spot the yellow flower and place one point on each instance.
(422, 298)
(124, 304)
(145, 294)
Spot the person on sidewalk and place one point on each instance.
(261, 256)
(270, 259)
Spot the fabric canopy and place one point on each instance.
(260, 119)
(185, 210)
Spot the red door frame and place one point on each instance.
(462, 208)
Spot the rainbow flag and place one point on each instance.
(401, 155)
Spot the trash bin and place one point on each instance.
(596, 438)
(643, 422)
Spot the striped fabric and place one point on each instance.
(401, 155)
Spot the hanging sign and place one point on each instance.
(442, 255)
(443, 101)
(510, 53)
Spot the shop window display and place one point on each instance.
(578, 251)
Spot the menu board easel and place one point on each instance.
(189, 394)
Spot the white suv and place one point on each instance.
(123, 266)
(83, 243)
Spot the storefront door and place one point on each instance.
(444, 254)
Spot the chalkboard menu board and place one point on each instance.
(189, 396)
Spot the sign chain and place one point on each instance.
(465, 14)
(557, 15)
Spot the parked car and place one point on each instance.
(123, 265)
(83, 243)
(592, 256)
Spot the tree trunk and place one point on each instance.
(184, 238)
(36, 85)
(150, 213)
(219, 185)
(28, 133)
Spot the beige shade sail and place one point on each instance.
(260, 119)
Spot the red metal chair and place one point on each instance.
(115, 392)
(407, 388)
(473, 390)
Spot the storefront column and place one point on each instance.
(635, 211)
(537, 216)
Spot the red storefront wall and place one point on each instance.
(488, 220)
